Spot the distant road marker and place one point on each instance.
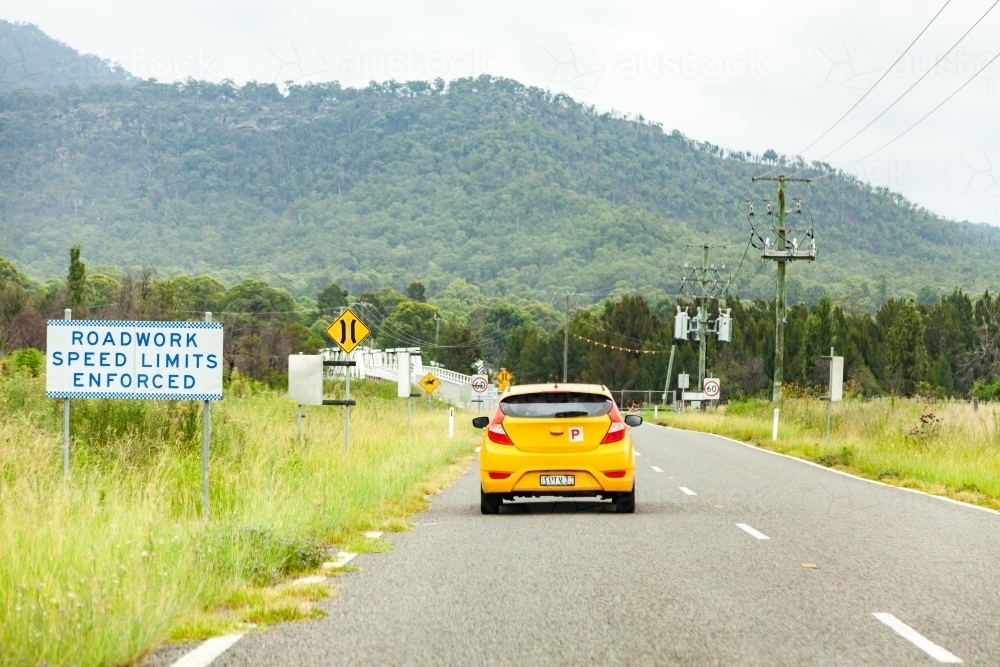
(687, 491)
(207, 651)
(939, 653)
(753, 531)
(373, 534)
(718, 507)
(638, 454)
(809, 566)
(657, 469)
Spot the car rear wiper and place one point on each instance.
(572, 413)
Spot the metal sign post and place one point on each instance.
(348, 332)
(206, 434)
(67, 315)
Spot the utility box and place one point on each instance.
(681, 324)
(305, 379)
(724, 328)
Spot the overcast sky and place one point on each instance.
(742, 75)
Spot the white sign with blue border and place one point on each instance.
(179, 361)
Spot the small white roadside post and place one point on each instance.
(774, 426)
(67, 315)
(451, 422)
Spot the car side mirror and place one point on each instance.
(633, 420)
(481, 422)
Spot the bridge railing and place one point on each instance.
(382, 365)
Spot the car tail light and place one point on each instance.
(496, 434)
(615, 434)
(615, 474)
(505, 475)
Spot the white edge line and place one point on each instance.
(753, 531)
(206, 652)
(657, 469)
(833, 470)
(687, 491)
(939, 653)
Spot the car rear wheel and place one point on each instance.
(489, 503)
(625, 502)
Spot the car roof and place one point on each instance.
(558, 386)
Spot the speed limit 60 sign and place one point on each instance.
(711, 388)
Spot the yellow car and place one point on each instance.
(557, 440)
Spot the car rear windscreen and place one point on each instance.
(556, 404)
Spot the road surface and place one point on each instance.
(899, 579)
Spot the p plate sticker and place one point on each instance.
(576, 434)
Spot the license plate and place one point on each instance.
(557, 480)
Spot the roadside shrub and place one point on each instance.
(28, 360)
(843, 456)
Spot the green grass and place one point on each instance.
(942, 447)
(100, 569)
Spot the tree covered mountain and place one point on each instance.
(31, 59)
(515, 189)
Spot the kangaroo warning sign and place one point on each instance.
(348, 331)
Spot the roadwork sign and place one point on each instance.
(711, 388)
(504, 379)
(348, 331)
(175, 361)
(429, 383)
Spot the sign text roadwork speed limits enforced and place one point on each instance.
(711, 388)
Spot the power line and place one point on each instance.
(884, 74)
(957, 90)
(906, 92)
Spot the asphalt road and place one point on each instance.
(677, 583)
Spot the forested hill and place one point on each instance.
(504, 185)
(31, 59)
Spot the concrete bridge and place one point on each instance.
(384, 365)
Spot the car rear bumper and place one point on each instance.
(525, 468)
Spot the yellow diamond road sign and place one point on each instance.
(430, 383)
(348, 331)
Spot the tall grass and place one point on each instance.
(97, 570)
(943, 447)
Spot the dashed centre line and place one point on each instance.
(207, 651)
(939, 653)
(657, 469)
(687, 491)
(752, 531)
